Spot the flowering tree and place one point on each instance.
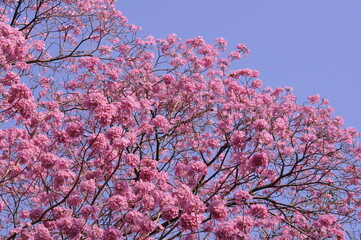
(108, 136)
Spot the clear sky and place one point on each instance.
(313, 46)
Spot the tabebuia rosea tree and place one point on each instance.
(108, 136)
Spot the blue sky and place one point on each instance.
(313, 46)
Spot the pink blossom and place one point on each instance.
(168, 79)
(19, 92)
(132, 216)
(238, 139)
(218, 210)
(243, 48)
(244, 223)
(105, 114)
(115, 133)
(314, 99)
(265, 137)
(36, 213)
(143, 187)
(74, 129)
(240, 197)
(196, 42)
(169, 212)
(121, 143)
(42, 233)
(74, 200)
(60, 136)
(10, 78)
(325, 220)
(221, 42)
(132, 160)
(118, 202)
(91, 63)
(196, 167)
(48, 160)
(256, 83)
(60, 212)
(227, 231)
(88, 186)
(259, 160)
(13, 46)
(94, 100)
(188, 222)
(260, 124)
(70, 226)
(161, 122)
(148, 174)
(258, 210)
(234, 55)
(112, 234)
(38, 45)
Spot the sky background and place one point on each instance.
(313, 46)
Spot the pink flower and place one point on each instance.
(259, 159)
(88, 186)
(238, 138)
(132, 216)
(314, 99)
(196, 168)
(94, 100)
(74, 129)
(227, 231)
(325, 221)
(168, 79)
(112, 234)
(74, 200)
(148, 202)
(240, 197)
(260, 124)
(36, 213)
(188, 222)
(121, 188)
(13, 46)
(38, 45)
(161, 122)
(218, 210)
(60, 136)
(132, 160)
(258, 211)
(121, 143)
(60, 212)
(196, 42)
(70, 226)
(148, 174)
(256, 83)
(265, 137)
(118, 203)
(234, 55)
(91, 63)
(105, 114)
(221, 42)
(169, 212)
(19, 92)
(48, 160)
(244, 223)
(10, 78)
(243, 48)
(42, 233)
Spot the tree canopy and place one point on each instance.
(109, 136)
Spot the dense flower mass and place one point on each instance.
(108, 136)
